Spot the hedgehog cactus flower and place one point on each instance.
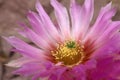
(73, 49)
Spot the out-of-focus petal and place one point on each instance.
(105, 69)
(20, 62)
(28, 69)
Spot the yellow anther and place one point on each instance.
(69, 53)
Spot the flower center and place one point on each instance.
(69, 53)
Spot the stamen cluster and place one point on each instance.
(69, 53)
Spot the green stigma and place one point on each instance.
(70, 44)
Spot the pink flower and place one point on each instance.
(72, 50)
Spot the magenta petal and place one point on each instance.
(58, 73)
(105, 69)
(28, 69)
(90, 64)
(46, 71)
(80, 72)
(109, 48)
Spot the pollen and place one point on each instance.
(70, 53)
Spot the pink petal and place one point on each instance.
(62, 18)
(106, 69)
(92, 44)
(75, 13)
(37, 24)
(20, 62)
(56, 75)
(26, 48)
(79, 72)
(109, 48)
(102, 22)
(28, 69)
(47, 23)
(41, 42)
(113, 28)
(81, 17)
